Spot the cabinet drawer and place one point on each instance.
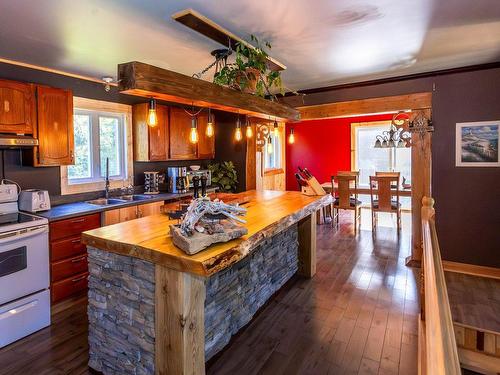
(66, 248)
(68, 287)
(71, 227)
(68, 267)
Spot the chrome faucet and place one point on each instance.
(106, 188)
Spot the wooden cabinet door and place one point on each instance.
(17, 107)
(158, 136)
(110, 217)
(128, 213)
(55, 127)
(206, 145)
(149, 209)
(180, 126)
(150, 144)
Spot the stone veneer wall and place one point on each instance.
(121, 314)
(236, 293)
(121, 302)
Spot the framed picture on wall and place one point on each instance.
(477, 144)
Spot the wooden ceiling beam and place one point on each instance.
(367, 106)
(205, 26)
(139, 79)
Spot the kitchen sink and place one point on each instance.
(106, 202)
(135, 197)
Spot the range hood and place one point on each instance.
(17, 141)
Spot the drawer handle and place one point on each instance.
(77, 260)
(76, 241)
(78, 220)
(78, 279)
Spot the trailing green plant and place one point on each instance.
(250, 66)
(224, 175)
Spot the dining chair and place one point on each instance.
(348, 173)
(343, 199)
(383, 189)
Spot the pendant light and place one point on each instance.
(269, 145)
(193, 134)
(276, 129)
(152, 119)
(291, 137)
(248, 131)
(210, 125)
(238, 136)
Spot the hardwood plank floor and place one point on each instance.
(358, 315)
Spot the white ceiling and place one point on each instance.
(323, 42)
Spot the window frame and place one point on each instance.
(101, 108)
(276, 155)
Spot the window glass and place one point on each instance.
(369, 159)
(109, 143)
(273, 158)
(83, 163)
(98, 136)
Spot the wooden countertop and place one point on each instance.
(148, 238)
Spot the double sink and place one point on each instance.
(118, 200)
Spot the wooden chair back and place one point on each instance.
(381, 186)
(348, 173)
(343, 189)
(391, 174)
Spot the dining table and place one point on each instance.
(327, 186)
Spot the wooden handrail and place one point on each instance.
(441, 355)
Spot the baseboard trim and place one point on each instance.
(471, 269)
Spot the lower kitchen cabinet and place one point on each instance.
(121, 215)
(68, 256)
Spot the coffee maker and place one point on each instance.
(177, 180)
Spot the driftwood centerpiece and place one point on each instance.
(207, 222)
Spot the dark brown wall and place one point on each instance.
(467, 199)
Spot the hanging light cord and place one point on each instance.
(193, 114)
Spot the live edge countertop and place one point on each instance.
(148, 238)
(69, 210)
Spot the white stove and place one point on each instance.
(24, 270)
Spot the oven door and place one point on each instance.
(24, 262)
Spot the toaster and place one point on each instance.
(34, 200)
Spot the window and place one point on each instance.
(369, 160)
(273, 158)
(98, 136)
(102, 130)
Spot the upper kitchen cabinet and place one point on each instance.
(206, 145)
(17, 107)
(55, 127)
(180, 127)
(150, 143)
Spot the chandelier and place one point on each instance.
(397, 135)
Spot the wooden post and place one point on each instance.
(180, 323)
(420, 187)
(307, 246)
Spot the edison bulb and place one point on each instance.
(152, 118)
(238, 135)
(291, 138)
(249, 132)
(276, 131)
(193, 135)
(210, 130)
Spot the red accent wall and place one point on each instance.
(322, 146)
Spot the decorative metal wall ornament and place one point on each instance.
(263, 132)
(420, 124)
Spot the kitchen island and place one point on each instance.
(154, 309)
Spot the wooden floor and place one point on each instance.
(474, 301)
(357, 316)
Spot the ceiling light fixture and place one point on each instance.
(210, 131)
(291, 137)
(238, 136)
(397, 135)
(107, 83)
(193, 134)
(152, 119)
(248, 131)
